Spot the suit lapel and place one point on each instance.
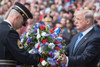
(83, 40)
(73, 43)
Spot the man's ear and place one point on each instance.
(16, 17)
(88, 21)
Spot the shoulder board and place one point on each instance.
(11, 28)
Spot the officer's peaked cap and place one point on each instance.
(23, 11)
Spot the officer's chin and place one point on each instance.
(17, 28)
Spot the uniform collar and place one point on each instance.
(8, 22)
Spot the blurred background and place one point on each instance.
(56, 13)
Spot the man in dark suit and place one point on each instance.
(84, 48)
(11, 49)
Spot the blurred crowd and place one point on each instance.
(56, 13)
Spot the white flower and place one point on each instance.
(43, 33)
(27, 34)
(43, 62)
(38, 34)
(22, 40)
(40, 49)
(56, 54)
(59, 38)
(36, 45)
(51, 45)
(32, 51)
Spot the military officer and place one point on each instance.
(11, 49)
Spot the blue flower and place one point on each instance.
(51, 53)
(47, 35)
(29, 40)
(46, 43)
(52, 35)
(51, 61)
(35, 27)
(41, 44)
(22, 36)
(38, 25)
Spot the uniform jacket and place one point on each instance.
(11, 49)
(87, 52)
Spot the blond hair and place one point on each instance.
(87, 14)
(13, 13)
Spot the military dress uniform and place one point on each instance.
(11, 48)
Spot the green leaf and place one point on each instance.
(53, 40)
(25, 39)
(42, 38)
(47, 28)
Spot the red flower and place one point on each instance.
(27, 43)
(60, 43)
(42, 27)
(54, 28)
(51, 31)
(60, 35)
(51, 54)
(44, 41)
(56, 42)
(58, 62)
(38, 46)
(57, 48)
(41, 60)
(45, 54)
(53, 66)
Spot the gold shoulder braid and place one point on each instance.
(20, 44)
(10, 27)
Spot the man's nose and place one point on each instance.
(75, 22)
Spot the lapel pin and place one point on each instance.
(85, 38)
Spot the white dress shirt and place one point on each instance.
(8, 22)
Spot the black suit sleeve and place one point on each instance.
(92, 51)
(18, 51)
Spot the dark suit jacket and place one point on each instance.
(11, 49)
(87, 51)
